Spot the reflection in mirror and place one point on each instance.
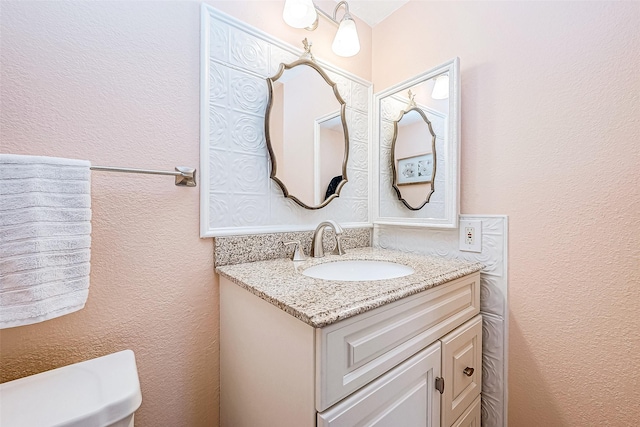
(413, 156)
(328, 139)
(306, 133)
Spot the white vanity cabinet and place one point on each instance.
(377, 368)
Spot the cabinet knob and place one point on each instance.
(468, 371)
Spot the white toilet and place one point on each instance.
(96, 393)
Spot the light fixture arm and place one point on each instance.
(306, 14)
(332, 18)
(335, 12)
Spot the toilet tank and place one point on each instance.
(98, 393)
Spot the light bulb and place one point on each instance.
(299, 13)
(441, 87)
(346, 42)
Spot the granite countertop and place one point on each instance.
(319, 302)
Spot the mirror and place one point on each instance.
(413, 156)
(418, 128)
(306, 133)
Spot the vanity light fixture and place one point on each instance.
(299, 13)
(304, 14)
(441, 87)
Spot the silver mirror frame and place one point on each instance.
(451, 155)
(343, 105)
(393, 157)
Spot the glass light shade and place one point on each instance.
(441, 87)
(346, 42)
(299, 13)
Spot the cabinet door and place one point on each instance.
(461, 369)
(405, 396)
(470, 417)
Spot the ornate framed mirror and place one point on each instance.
(413, 156)
(418, 152)
(306, 133)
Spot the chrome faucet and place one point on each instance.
(317, 250)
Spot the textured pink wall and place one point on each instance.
(550, 137)
(117, 83)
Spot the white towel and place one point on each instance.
(45, 238)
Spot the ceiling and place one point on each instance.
(374, 11)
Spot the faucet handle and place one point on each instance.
(298, 251)
(338, 249)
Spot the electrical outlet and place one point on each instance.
(471, 236)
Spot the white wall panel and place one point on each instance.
(237, 195)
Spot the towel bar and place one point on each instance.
(185, 176)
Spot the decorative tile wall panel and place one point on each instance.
(248, 93)
(221, 213)
(218, 182)
(358, 155)
(247, 133)
(237, 195)
(386, 138)
(251, 208)
(492, 411)
(248, 52)
(359, 97)
(344, 86)
(280, 56)
(358, 125)
(218, 78)
(493, 370)
(493, 294)
(219, 41)
(359, 180)
(247, 172)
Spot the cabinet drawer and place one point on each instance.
(355, 351)
(470, 417)
(461, 369)
(405, 396)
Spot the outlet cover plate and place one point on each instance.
(471, 236)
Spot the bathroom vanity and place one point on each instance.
(301, 351)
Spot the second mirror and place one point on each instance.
(418, 128)
(413, 156)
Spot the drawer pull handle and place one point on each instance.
(468, 371)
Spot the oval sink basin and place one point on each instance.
(358, 270)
